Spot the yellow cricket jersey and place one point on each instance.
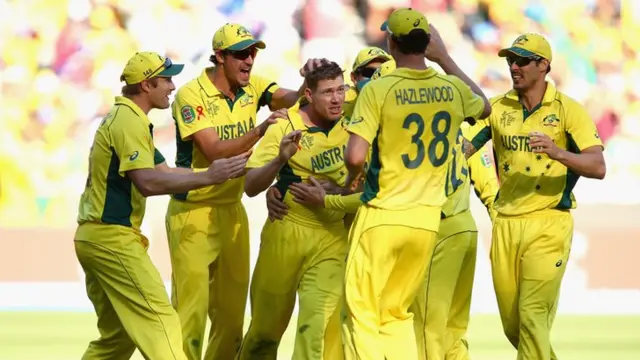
(199, 105)
(123, 142)
(321, 156)
(411, 118)
(350, 98)
(528, 181)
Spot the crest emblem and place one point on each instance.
(507, 118)
(243, 32)
(551, 120)
(521, 40)
(306, 142)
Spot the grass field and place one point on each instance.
(58, 336)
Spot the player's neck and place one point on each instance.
(220, 81)
(415, 62)
(142, 103)
(311, 118)
(532, 97)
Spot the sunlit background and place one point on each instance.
(60, 61)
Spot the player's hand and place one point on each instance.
(357, 184)
(436, 50)
(542, 143)
(222, 170)
(312, 64)
(311, 194)
(276, 207)
(272, 119)
(289, 145)
(330, 187)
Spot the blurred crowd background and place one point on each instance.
(60, 61)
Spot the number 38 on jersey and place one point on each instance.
(431, 138)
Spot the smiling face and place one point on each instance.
(238, 65)
(526, 71)
(158, 91)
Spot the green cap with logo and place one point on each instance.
(235, 37)
(402, 21)
(367, 55)
(528, 45)
(146, 65)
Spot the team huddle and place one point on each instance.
(368, 191)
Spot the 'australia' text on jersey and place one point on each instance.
(327, 158)
(232, 131)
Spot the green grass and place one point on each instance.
(57, 336)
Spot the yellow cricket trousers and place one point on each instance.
(130, 300)
(294, 258)
(209, 249)
(441, 308)
(385, 268)
(529, 254)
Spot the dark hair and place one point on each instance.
(415, 43)
(136, 89)
(326, 71)
(213, 59)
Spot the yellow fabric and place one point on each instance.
(529, 256)
(234, 37)
(123, 142)
(209, 250)
(403, 20)
(386, 68)
(321, 156)
(348, 204)
(295, 258)
(350, 98)
(385, 268)
(482, 172)
(527, 45)
(199, 105)
(411, 118)
(441, 308)
(530, 182)
(129, 298)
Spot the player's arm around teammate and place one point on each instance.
(304, 252)
(208, 230)
(125, 288)
(543, 141)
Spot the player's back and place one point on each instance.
(420, 113)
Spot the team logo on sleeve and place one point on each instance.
(188, 115)
(134, 156)
(551, 120)
(486, 159)
(356, 120)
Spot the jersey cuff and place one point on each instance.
(123, 169)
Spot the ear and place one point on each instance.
(353, 77)
(544, 64)
(307, 95)
(145, 86)
(219, 57)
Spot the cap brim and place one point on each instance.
(384, 26)
(172, 70)
(516, 51)
(246, 44)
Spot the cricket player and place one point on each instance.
(410, 118)
(365, 64)
(304, 252)
(125, 288)
(543, 141)
(207, 229)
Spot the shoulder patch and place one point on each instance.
(188, 115)
(486, 159)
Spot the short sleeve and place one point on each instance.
(366, 115)
(189, 112)
(264, 88)
(472, 103)
(132, 143)
(268, 147)
(158, 158)
(580, 127)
